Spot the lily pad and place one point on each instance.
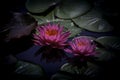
(39, 6)
(61, 76)
(67, 67)
(110, 42)
(29, 71)
(88, 72)
(72, 8)
(93, 21)
(70, 26)
(92, 71)
(45, 19)
(104, 55)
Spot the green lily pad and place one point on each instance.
(45, 19)
(67, 67)
(92, 70)
(60, 76)
(70, 26)
(72, 8)
(39, 6)
(110, 42)
(104, 55)
(93, 21)
(39, 19)
(29, 70)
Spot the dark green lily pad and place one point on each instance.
(89, 72)
(70, 26)
(110, 42)
(72, 8)
(45, 19)
(104, 55)
(39, 6)
(29, 71)
(92, 71)
(61, 76)
(67, 67)
(93, 21)
(39, 19)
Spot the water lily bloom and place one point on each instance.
(51, 35)
(81, 46)
(52, 40)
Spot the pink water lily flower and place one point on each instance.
(81, 46)
(51, 35)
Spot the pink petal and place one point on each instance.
(68, 50)
(65, 35)
(36, 42)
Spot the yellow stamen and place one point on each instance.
(81, 44)
(51, 32)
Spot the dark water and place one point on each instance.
(29, 55)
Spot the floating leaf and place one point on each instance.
(93, 21)
(39, 19)
(45, 19)
(72, 69)
(110, 42)
(72, 8)
(92, 71)
(88, 72)
(104, 55)
(62, 76)
(69, 25)
(29, 71)
(39, 6)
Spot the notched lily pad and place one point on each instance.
(39, 6)
(93, 21)
(72, 8)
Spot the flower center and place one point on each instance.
(81, 44)
(51, 32)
